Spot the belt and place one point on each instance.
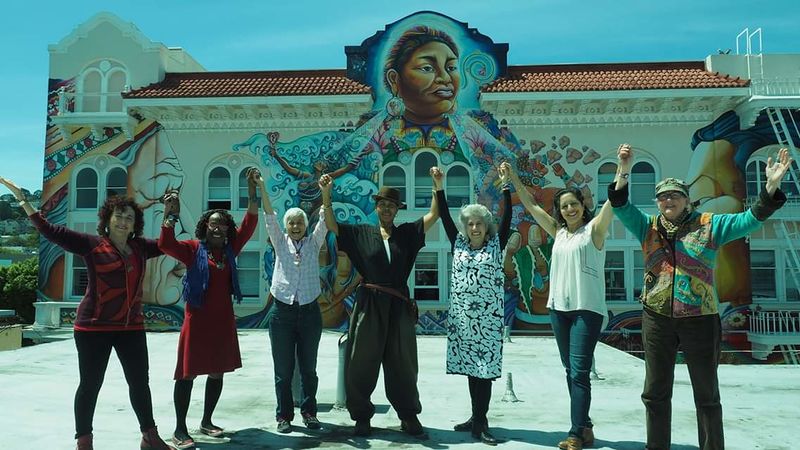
(394, 293)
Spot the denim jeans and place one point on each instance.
(576, 334)
(699, 338)
(294, 332)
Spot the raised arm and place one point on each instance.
(69, 240)
(602, 222)
(624, 164)
(253, 175)
(432, 216)
(289, 169)
(326, 185)
(265, 203)
(181, 250)
(541, 217)
(505, 223)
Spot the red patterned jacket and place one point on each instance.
(107, 304)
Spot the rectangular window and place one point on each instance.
(792, 277)
(426, 277)
(762, 273)
(615, 276)
(80, 276)
(249, 268)
(638, 273)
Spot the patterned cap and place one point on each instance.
(672, 184)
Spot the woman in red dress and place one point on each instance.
(208, 344)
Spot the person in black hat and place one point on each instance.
(383, 323)
(680, 246)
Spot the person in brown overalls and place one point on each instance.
(382, 326)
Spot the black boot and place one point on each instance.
(465, 426)
(481, 433)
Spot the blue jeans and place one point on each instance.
(295, 331)
(576, 334)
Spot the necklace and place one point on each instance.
(218, 264)
(297, 250)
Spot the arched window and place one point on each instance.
(605, 175)
(117, 182)
(219, 188)
(244, 199)
(643, 184)
(395, 177)
(755, 180)
(91, 90)
(100, 87)
(115, 85)
(423, 185)
(86, 189)
(458, 186)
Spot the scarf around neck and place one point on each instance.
(195, 282)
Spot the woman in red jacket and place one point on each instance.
(110, 312)
(208, 344)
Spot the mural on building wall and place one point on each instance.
(425, 72)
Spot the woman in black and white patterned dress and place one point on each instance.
(475, 317)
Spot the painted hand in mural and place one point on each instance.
(776, 169)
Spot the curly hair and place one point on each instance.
(587, 213)
(477, 211)
(409, 42)
(201, 228)
(114, 203)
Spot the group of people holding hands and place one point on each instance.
(679, 247)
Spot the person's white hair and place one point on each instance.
(477, 211)
(292, 213)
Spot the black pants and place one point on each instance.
(295, 331)
(94, 348)
(382, 331)
(699, 338)
(480, 392)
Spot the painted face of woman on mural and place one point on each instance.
(428, 82)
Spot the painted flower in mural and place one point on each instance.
(737, 320)
(50, 164)
(70, 153)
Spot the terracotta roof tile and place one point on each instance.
(251, 84)
(543, 78)
(611, 77)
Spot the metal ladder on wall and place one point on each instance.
(789, 231)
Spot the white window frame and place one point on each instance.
(105, 78)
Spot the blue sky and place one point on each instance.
(304, 34)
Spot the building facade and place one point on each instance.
(130, 116)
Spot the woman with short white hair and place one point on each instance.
(475, 315)
(295, 320)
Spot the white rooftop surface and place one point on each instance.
(761, 404)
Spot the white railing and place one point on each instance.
(775, 323)
(774, 87)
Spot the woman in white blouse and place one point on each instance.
(577, 300)
(295, 321)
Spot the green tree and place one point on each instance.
(18, 285)
(6, 211)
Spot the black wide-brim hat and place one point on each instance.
(391, 194)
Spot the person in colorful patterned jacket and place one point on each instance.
(475, 316)
(295, 319)
(208, 344)
(680, 301)
(110, 314)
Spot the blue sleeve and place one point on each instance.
(634, 220)
(729, 227)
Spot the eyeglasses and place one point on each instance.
(669, 196)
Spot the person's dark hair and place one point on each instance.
(114, 203)
(202, 225)
(587, 213)
(411, 40)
